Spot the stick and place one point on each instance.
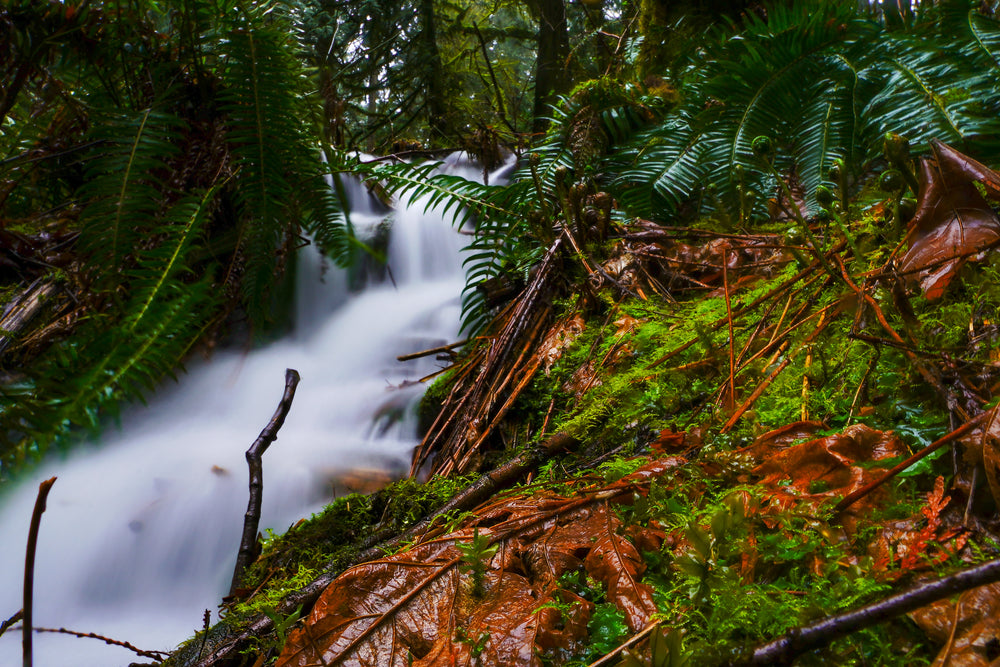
(248, 543)
(823, 323)
(434, 350)
(10, 621)
(732, 340)
(29, 566)
(155, 655)
(609, 658)
(820, 633)
(852, 498)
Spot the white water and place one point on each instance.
(141, 531)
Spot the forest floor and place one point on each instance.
(697, 440)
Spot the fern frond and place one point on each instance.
(985, 32)
(117, 357)
(261, 82)
(924, 96)
(124, 187)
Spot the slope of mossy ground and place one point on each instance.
(761, 394)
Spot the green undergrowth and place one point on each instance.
(330, 539)
(629, 393)
(641, 368)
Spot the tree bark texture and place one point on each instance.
(551, 74)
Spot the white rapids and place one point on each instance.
(142, 528)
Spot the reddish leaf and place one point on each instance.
(418, 607)
(969, 628)
(952, 219)
(615, 561)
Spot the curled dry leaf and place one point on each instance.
(558, 340)
(822, 468)
(420, 608)
(953, 219)
(968, 629)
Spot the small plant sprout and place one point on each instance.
(476, 557)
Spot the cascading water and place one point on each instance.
(141, 532)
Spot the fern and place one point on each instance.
(166, 189)
(109, 360)
(123, 190)
(924, 96)
(823, 83)
(278, 171)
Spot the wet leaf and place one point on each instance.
(968, 629)
(953, 219)
(419, 607)
(615, 561)
(990, 439)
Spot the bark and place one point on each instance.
(437, 103)
(248, 543)
(551, 73)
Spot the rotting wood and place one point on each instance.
(29, 568)
(23, 310)
(784, 649)
(248, 542)
(376, 546)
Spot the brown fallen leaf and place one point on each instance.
(615, 561)
(968, 629)
(419, 607)
(822, 469)
(953, 219)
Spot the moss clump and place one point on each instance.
(330, 539)
(433, 399)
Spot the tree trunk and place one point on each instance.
(437, 103)
(551, 73)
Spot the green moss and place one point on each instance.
(330, 539)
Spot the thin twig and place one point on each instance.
(11, 621)
(609, 658)
(248, 543)
(823, 323)
(434, 350)
(29, 567)
(852, 498)
(155, 655)
(732, 341)
(800, 640)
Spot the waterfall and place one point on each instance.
(142, 528)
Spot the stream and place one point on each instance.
(143, 526)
